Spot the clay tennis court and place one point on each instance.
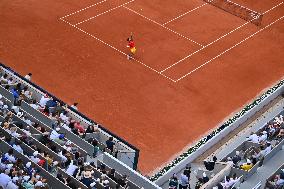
(195, 64)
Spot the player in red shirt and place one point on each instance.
(131, 46)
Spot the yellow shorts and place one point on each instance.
(133, 50)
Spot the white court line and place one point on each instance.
(116, 49)
(163, 26)
(184, 14)
(84, 8)
(181, 60)
(103, 13)
(199, 67)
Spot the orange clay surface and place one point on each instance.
(188, 76)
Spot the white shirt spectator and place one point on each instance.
(63, 158)
(43, 100)
(267, 150)
(16, 109)
(54, 135)
(71, 169)
(28, 76)
(183, 180)
(18, 148)
(279, 119)
(35, 106)
(27, 121)
(74, 107)
(15, 134)
(11, 185)
(64, 117)
(4, 180)
(280, 182)
(253, 138)
(4, 80)
(34, 157)
(263, 137)
(11, 158)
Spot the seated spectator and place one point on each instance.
(87, 177)
(15, 93)
(35, 157)
(253, 138)
(17, 146)
(184, 181)
(9, 155)
(4, 79)
(106, 184)
(79, 127)
(266, 149)
(28, 76)
(111, 174)
(205, 178)
(247, 166)
(44, 100)
(237, 158)
(96, 147)
(91, 129)
(63, 116)
(72, 168)
(210, 164)
(35, 105)
(263, 137)
(277, 182)
(110, 144)
(199, 183)
(122, 181)
(55, 134)
(74, 106)
(70, 183)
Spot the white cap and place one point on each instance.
(55, 163)
(264, 132)
(248, 161)
(237, 153)
(204, 174)
(57, 129)
(37, 177)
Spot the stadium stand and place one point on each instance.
(245, 158)
(64, 148)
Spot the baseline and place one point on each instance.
(184, 14)
(211, 43)
(207, 62)
(121, 52)
(122, 5)
(84, 9)
(163, 26)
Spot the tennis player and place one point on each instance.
(131, 46)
